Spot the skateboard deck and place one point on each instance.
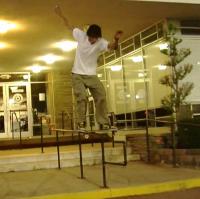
(87, 133)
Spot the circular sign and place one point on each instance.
(18, 98)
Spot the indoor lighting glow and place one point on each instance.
(3, 45)
(65, 45)
(162, 67)
(137, 97)
(116, 67)
(11, 101)
(140, 74)
(137, 59)
(50, 58)
(99, 75)
(6, 26)
(163, 46)
(25, 76)
(36, 68)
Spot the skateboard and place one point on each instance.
(88, 133)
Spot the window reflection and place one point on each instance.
(133, 88)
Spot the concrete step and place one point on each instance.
(69, 158)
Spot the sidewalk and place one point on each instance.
(136, 178)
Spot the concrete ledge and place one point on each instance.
(128, 191)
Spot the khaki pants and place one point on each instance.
(80, 83)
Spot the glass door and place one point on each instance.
(2, 113)
(18, 108)
(15, 110)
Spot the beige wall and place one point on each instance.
(61, 97)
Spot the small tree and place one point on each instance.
(179, 90)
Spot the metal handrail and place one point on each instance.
(13, 112)
(104, 162)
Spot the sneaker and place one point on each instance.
(104, 127)
(81, 126)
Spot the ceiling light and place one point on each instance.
(6, 26)
(36, 68)
(140, 74)
(99, 75)
(198, 63)
(163, 46)
(66, 45)
(116, 67)
(137, 97)
(137, 59)
(162, 67)
(3, 45)
(50, 58)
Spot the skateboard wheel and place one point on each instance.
(86, 136)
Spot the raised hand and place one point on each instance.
(118, 34)
(58, 11)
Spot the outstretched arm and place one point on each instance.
(114, 44)
(59, 12)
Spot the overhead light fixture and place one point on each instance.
(198, 63)
(50, 58)
(6, 26)
(65, 45)
(163, 46)
(137, 59)
(3, 45)
(162, 67)
(137, 97)
(116, 67)
(128, 95)
(99, 75)
(141, 75)
(36, 68)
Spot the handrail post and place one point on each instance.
(103, 163)
(80, 153)
(12, 124)
(147, 141)
(41, 136)
(125, 153)
(20, 133)
(58, 149)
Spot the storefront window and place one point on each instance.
(155, 63)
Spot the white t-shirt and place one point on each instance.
(87, 54)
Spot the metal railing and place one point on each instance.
(12, 114)
(103, 138)
(135, 42)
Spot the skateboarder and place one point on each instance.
(90, 45)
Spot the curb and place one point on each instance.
(127, 191)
